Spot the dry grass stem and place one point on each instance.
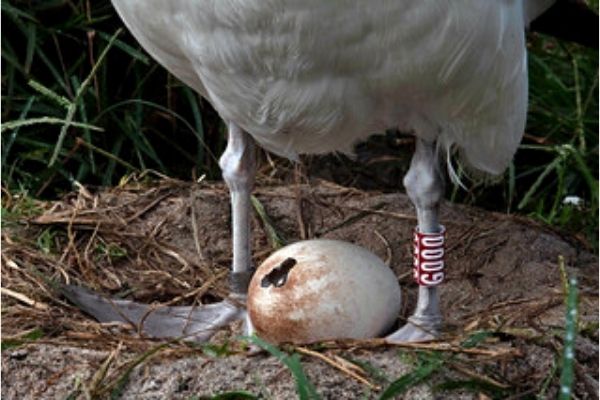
(342, 367)
(24, 299)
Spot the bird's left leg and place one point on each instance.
(196, 323)
(425, 187)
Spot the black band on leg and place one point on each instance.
(239, 281)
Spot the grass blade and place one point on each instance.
(589, 177)
(134, 53)
(532, 190)
(546, 384)
(31, 44)
(474, 385)
(110, 155)
(375, 373)
(305, 389)
(119, 385)
(6, 146)
(47, 120)
(86, 132)
(428, 365)
(55, 73)
(193, 101)
(28, 337)
(14, 12)
(568, 359)
(162, 109)
(476, 338)
(275, 238)
(50, 94)
(82, 88)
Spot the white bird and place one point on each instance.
(314, 76)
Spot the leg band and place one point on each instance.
(429, 257)
(239, 281)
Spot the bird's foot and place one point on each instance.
(193, 323)
(422, 328)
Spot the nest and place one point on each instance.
(167, 242)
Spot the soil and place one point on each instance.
(159, 242)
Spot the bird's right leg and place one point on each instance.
(197, 323)
(425, 186)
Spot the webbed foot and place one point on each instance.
(194, 323)
(417, 329)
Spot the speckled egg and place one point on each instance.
(317, 290)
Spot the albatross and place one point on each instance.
(312, 77)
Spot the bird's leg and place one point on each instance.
(197, 323)
(239, 167)
(425, 187)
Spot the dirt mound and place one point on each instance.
(169, 243)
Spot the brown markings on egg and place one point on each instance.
(273, 321)
(272, 324)
(267, 323)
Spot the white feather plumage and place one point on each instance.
(314, 76)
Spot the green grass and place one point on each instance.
(29, 337)
(564, 117)
(82, 102)
(424, 366)
(428, 363)
(568, 356)
(559, 153)
(304, 388)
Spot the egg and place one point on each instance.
(316, 290)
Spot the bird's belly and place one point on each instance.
(319, 114)
(313, 76)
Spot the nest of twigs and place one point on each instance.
(114, 242)
(167, 243)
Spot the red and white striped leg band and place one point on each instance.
(429, 257)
